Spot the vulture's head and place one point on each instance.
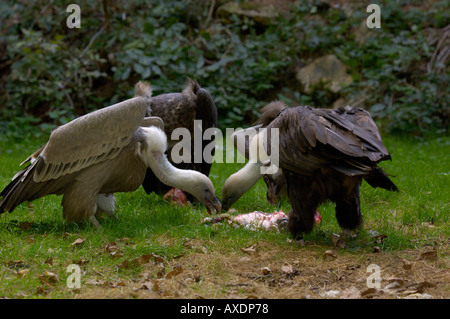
(202, 188)
(275, 183)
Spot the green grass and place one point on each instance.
(417, 215)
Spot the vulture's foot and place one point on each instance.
(349, 234)
(106, 203)
(301, 242)
(95, 221)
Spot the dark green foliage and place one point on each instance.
(54, 73)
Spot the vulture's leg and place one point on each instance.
(303, 204)
(348, 212)
(80, 202)
(106, 203)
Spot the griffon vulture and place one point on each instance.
(101, 153)
(323, 154)
(180, 110)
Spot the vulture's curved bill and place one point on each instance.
(101, 153)
(180, 110)
(323, 154)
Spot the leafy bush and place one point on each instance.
(56, 73)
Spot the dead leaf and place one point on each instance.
(329, 253)
(287, 269)
(379, 238)
(335, 238)
(161, 271)
(177, 270)
(116, 254)
(49, 261)
(78, 242)
(40, 290)
(252, 250)
(95, 282)
(124, 264)
(369, 292)
(420, 287)
(265, 271)
(111, 246)
(113, 250)
(143, 259)
(428, 255)
(376, 249)
(17, 264)
(48, 277)
(117, 284)
(22, 272)
(151, 285)
(157, 258)
(80, 262)
(351, 293)
(407, 265)
(353, 267)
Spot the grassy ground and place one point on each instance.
(37, 245)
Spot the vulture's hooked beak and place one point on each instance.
(213, 206)
(271, 196)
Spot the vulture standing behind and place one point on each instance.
(98, 154)
(323, 154)
(180, 110)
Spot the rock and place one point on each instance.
(419, 296)
(351, 293)
(327, 69)
(330, 294)
(260, 13)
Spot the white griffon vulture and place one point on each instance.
(96, 155)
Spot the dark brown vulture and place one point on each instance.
(324, 154)
(180, 110)
(101, 153)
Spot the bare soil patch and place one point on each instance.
(264, 271)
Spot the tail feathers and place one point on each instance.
(378, 178)
(192, 87)
(10, 195)
(270, 112)
(143, 89)
(23, 188)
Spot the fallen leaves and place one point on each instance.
(428, 255)
(176, 271)
(48, 277)
(329, 254)
(252, 250)
(78, 242)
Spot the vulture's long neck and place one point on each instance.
(169, 174)
(244, 179)
(161, 167)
